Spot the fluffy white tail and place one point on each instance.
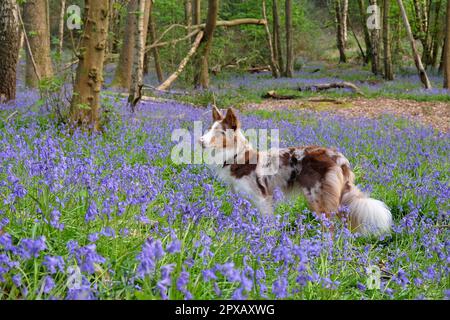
(367, 216)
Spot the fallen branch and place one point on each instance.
(334, 85)
(325, 100)
(166, 84)
(258, 69)
(273, 95)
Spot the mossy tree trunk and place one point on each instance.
(85, 105)
(9, 49)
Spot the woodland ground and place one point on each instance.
(137, 226)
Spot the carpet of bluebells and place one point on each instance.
(109, 216)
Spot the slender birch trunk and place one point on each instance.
(422, 73)
(388, 72)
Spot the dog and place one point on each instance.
(323, 175)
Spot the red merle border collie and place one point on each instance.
(322, 175)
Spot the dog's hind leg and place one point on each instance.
(324, 198)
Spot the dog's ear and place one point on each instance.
(231, 119)
(217, 115)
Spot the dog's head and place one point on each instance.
(225, 133)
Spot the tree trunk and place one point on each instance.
(39, 39)
(155, 51)
(436, 39)
(273, 61)
(196, 15)
(9, 49)
(85, 105)
(138, 59)
(345, 22)
(202, 75)
(188, 22)
(421, 15)
(289, 72)
(422, 73)
(442, 59)
(375, 40)
(362, 12)
(122, 77)
(388, 72)
(188, 15)
(340, 31)
(61, 27)
(447, 50)
(277, 36)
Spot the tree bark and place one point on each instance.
(289, 72)
(375, 41)
(196, 15)
(273, 61)
(39, 39)
(196, 12)
(340, 31)
(155, 51)
(436, 39)
(122, 77)
(277, 35)
(447, 50)
(85, 105)
(61, 27)
(422, 73)
(362, 11)
(344, 22)
(202, 75)
(9, 48)
(388, 72)
(138, 59)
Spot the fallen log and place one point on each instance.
(258, 69)
(334, 85)
(273, 95)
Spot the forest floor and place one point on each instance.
(434, 113)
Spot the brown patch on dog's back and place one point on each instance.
(250, 162)
(315, 165)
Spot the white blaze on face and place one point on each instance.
(207, 139)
